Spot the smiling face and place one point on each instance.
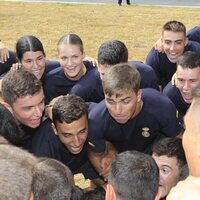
(169, 172)
(125, 106)
(34, 62)
(174, 44)
(71, 60)
(186, 80)
(73, 135)
(29, 110)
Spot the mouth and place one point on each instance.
(77, 149)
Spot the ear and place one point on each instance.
(139, 95)
(54, 128)
(110, 192)
(5, 104)
(186, 41)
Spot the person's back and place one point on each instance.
(194, 34)
(133, 175)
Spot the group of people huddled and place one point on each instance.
(131, 128)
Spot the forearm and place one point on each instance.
(102, 161)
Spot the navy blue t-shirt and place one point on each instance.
(91, 90)
(45, 143)
(194, 34)
(162, 66)
(156, 119)
(174, 94)
(56, 83)
(5, 67)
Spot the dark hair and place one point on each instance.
(112, 52)
(171, 147)
(96, 194)
(174, 26)
(189, 59)
(20, 83)
(9, 128)
(73, 39)
(68, 109)
(28, 43)
(120, 78)
(134, 175)
(52, 180)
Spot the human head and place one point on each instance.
(187, 189)
(170, 158)
(174, 39)
(16, 173)
(122, 95)
(69, 115)
(31, 55)
(111, 53)
(133, 175)
(52, 180)
(71, 54)
(97, 193)
(188, 74)
(9, 129)
(191, 136)
(23, 96)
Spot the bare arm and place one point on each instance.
(4, 54)
(102, 161)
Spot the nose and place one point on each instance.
(69, 62)
(76, 141)
(186, 85)
(118, 108)
(38, 111)
(35, 64)
(172, 47)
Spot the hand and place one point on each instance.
(159, 45)
(15, 66)
(48, 108)
(93, 60)
(4, 53)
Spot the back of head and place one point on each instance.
(187, 189)
(9, 127)
(121, 78)
(28, 43)
(112, 52)
(68, 109)
(16, 173)
(172, 147)
(134, 175)
(174, 26)
(189, 60)
(20, 83)
(52, 180)
(96, 194)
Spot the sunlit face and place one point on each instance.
(73, 135)
(191, 140)
(124, 107)
(71, 60)
(174, 44)
(186, 80)
(34, 62)
(169, 172)
(28, 110)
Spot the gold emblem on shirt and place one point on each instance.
(145, 132)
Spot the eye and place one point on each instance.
(110, 101)
(126, 101)
(165, 170)
(67, 135)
